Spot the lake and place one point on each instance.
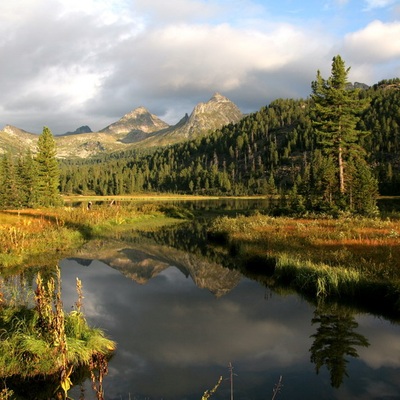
(180, 317)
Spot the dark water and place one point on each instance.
(179, 318)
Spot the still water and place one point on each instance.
(180, 318)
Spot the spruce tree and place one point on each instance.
(9, 193)
(27, 177)
(48, 173)
(336, 111)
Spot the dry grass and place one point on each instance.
(366, 245)
(48, 234)
(350, 260)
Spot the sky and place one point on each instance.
(68, 63)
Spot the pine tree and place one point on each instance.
(28, 179)
(336, 111)
(48, 173)
(9, 198)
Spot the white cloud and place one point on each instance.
(194, 60)
(377, 42)
(373, 4)
(91, 61)
(176, 11)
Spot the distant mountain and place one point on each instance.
(357, 85)
(82, 129)
(136, 129)
(138, 121)
(16, 141)
(205, 117)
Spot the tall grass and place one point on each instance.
(31, 237)
(349, 257)
(42, 340)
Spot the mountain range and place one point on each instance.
(138, 128)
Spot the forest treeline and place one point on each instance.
(267, 152)
(31, 181)
(281, 149)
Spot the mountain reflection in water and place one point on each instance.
(180, 318)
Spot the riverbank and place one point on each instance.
(42, 236)
(350, 258)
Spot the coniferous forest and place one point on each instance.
(337, 149)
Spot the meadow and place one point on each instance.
(42, 236)
(348, 258)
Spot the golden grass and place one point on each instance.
(27, 236)
(363, 244)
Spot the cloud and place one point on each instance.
(67, 63)
(176, 11)
(191, 61)
(377, 42)
(373, 4)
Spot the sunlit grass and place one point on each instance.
(28, 235)
(320, 256)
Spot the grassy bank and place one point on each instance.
(349, 258)
(32, 237)
(39, 341)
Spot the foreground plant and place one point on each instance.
(43, 341)
(208, 393)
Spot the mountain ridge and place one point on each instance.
(136, 129)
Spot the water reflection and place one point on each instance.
(335, 340)
(180, 313)
(174, 339)
(180, 318)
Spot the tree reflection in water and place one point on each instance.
(334, 340)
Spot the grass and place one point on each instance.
(42, 236)
(337, 258)
(41, 341)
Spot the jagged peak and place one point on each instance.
(137, 111)
(219, 97)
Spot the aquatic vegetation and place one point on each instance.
(44, 341)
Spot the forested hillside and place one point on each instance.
(266, 152)
(333, 151)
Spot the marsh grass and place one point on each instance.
(32, 236)
(346, 257)
(43, 341)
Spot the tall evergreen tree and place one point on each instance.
(9, 194)
(337, 110)
(27, 176)
(48, 173)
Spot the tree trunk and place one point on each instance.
(341, 170)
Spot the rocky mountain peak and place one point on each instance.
(218, 111)
(81, 129)
(136, 128)
(13, 130)
(218, 97)
(137, 120)
(136, 113)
